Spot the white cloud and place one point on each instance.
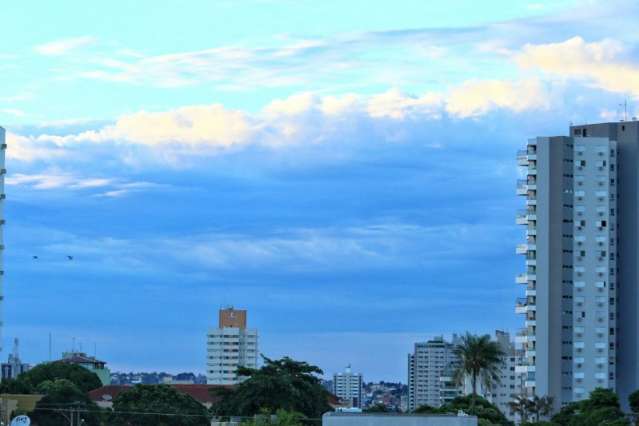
(602, 64)
(475, 98)
(55, 180)
(299, 119)
(60, 47)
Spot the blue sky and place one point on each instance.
(344, 170)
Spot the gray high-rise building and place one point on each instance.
(582, 262)
(427, 365)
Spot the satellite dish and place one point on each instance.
(20, 421)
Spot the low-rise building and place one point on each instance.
(90, 363)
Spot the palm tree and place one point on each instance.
(479, 359)
(521, 405)
(542, 406)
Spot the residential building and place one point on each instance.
(90, 363)
(14, 366)
(229, 346)
(582, 262)
(511, 381)
(3, 172)
(426, 366)
(207, 395)
(347, 386)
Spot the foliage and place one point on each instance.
(601, 408)
(280, 384)
(282, 418)
(51, 371)
(480, 359)
(633, 399)
(61, 397)
(377, 408)
(15, 386)
(487, 413)
(426, 409)
(535, 406)
(177, 409)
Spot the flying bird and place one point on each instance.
(70, 257)
(35, 257)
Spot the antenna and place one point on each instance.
(49, 346)
(625, 109)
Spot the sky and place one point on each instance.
(345, 171)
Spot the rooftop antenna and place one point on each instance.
(49, 346)
(625, 109)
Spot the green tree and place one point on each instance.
(633, 400)
(62, 400)
(426, 409)
(521, 405)
(15, 386)
(281, 418)
(280, 384)
(157, 405)
(540, 406)
(601, 408)
(377, 408)
(478, 406)
(51, 371)
(480, 359)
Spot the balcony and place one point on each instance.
(521, 218)
(521, 305)
(521, 249)
(522, 187)
(522, 158)
(521, 279)
(524, 369)
(531, 292)
(531, 262)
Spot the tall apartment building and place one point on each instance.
(429, 362)
(3, 172)
(582, 261)
(347, 386)
(230, 346)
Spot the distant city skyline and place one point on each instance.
(342, 170)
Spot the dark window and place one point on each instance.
(584, 132)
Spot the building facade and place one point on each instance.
(582, 262)
(429, 362)
(347, 386)
(91, 363)
(3, 172)
(229, 346)
(14, 365)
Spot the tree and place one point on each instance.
(62, 400)
(280, 384)
(281, 418)
(157, 405)
(15, 386)
(521, 405)
(486, 412)
(377, 408)
(633, 399)
(541, 406)
(480, 359)
(51, 371)
(601, 408)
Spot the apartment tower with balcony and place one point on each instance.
(582, 264)
(229, 346)
(3, 172)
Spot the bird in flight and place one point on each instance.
(70, 257)
(35, 257)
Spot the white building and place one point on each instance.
(3, 172)
(511, 381)
(347, 386)
(230, 346)
(429, 362)
(582, 262)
